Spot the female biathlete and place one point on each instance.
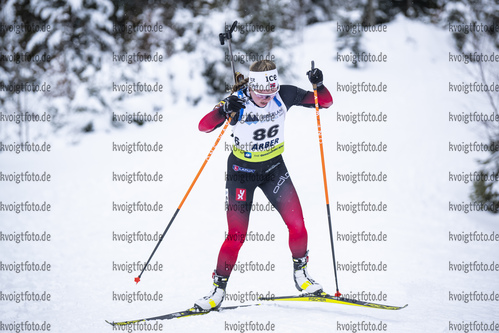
(258, 107)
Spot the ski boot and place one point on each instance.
(303, 281)
(216, 296)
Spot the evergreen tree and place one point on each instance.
(470, 41)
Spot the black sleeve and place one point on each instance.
(291, 95)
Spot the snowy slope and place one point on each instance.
(417, 193)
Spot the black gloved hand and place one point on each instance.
(315, 76)
(231, 105)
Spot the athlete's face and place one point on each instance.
(262, 98)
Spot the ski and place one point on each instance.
(326, 298)
(179, 314)
(321, 298)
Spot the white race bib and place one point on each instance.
(259, 132)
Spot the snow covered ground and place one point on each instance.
(85, 279)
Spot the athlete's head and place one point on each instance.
(263, 81)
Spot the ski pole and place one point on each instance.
(137, 279)
(319, 129)
(223, 36)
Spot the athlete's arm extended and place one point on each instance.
(292, 95)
